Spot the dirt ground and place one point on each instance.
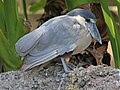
(100, 77)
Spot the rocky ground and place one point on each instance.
(100, 77)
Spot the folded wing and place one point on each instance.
(50, 40)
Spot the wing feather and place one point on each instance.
(40, 60)
(25, 44)
(43, 45)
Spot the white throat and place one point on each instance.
(80, 19)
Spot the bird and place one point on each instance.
(63, 35)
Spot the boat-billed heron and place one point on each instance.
(72, 32)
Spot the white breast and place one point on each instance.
(83, 42)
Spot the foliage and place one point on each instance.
(11, 29)
(38, 5)
(113, 31)
(24, 9)
(73, 3)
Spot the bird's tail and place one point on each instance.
(40, 60)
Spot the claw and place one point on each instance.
(70, 65)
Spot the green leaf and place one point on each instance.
(71, 4)
(2, 17)
(118, 7)
(11, 19)
(8, 55)
(38, 5)
(24, 9)
(12, 30)
(114, 34)
(20, 31)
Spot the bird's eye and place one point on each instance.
(88, 20)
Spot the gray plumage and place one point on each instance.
(55, 37)
(82, 12)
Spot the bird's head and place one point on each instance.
(87, 19)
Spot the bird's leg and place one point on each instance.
(66, 69)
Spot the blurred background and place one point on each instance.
(34, 16)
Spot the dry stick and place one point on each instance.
(61, 82)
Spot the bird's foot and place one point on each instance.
(70, 65)
(66, 69)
